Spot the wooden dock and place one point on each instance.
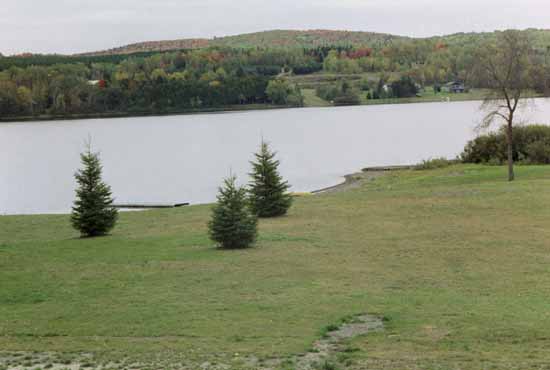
(387, 168)
(149, 205)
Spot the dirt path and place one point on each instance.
(333, 342)
(322, 351)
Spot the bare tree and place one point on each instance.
(505, 68)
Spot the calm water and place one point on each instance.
(184, 158)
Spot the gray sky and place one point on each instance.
(67, 26)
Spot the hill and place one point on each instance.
(309, 39)
(273, 39)
(153, 46)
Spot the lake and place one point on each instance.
(184, 158)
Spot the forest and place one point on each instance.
(227, 76)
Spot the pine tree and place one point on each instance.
(93, 212)
(269, 195)
(233, 225)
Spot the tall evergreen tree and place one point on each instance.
(93, 212)
(269, 195)
(233, 225)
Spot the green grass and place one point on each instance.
(312, 100)
(309, 84)
(456, 259)
(428, 96)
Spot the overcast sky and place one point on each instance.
(68, 26)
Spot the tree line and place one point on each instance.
(158, 83)
(223, 76)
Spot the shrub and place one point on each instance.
(281, 92)
(434, 163)
(340, 94)
(365, 84)
(307, 68)
(485, 149)
(327, 92)
(269, 195)
(93, 213)
(404, 88)
(232, 225)
(538, 152)
(350, 98)
(296, 99)
(531, 145)
(268, 70)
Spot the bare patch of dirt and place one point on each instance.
(330, 344)
(45, 360)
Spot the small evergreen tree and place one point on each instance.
(233, 225)
(93, 212)
(269, 195)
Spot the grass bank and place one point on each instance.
(456, 260)
(312, 100)
(309, 84)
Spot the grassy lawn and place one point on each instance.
(309, 84)
(312, 100)
(457, 260)
(428, 96)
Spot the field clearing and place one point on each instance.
(456, 261)
(312, 100)
(309, 84)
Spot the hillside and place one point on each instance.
(274, 39)
(235, 72)
(153, 46)
(308, 39)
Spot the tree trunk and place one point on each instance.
(510, 141)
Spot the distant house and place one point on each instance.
(100, 83)
(455, 87)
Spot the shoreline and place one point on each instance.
(236, 109)
(222, 110)
(90, 116)
(357, 179)
(351, 181)
(348, 182)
